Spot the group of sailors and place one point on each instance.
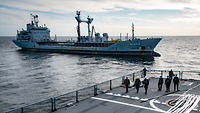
(137, 84)
(145, 82)
(168, 83)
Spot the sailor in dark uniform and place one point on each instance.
(144, 71)
(176, 82)
(160, 83)
(146, 84)
(137, 83)
(167, 83)
(171, 74)
(127, 83)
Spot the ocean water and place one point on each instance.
(27, 77)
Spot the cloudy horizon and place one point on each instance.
(150, 17)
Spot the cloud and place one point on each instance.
(190, 20)
(132, 18)
(191, 12)
(68, 6)
(132, 14)
(189, 15)
(179, 1)
(57, 14)
(8, 15)
(62, 6)
(185, 20)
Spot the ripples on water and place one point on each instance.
(27, 77)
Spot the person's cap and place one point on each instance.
(176, 74)
(167, 75)
(137, 77)
(160, 75)
(126, 77)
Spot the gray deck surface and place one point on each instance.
(117, 101)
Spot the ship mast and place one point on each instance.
(132, 31)
(78, 27)
(35, 19)
(89, 21)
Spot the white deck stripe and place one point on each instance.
(152, 105)
(129, 104)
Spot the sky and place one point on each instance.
(150, 17)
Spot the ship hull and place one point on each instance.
(125, 48)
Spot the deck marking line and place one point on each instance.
(126, 96)
(156, 101)
(137, 98)
(109, 93)
(144, 99)
(190, 84)
(118, 95)
(164, 103)
(195, 109)
(152, 105)
(158, 110)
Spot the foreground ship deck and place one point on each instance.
(110, 97)
(117, 101)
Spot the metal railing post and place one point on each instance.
(95, 90)
(77, 97)
(123, 80)
(110, 84)
(53, 105)
(22, 110)
(162, 73)
(182, 75)
(133, 76)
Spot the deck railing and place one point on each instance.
(68, 99)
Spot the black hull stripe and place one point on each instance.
(115, 53)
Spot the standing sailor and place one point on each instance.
(146, 84)
(127, 83)
(167, 83)
(137, 83)
(171, 74)
(160, 83)
(144, 71)
(176, 82)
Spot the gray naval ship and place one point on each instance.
(37, 38)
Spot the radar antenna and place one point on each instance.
(34, 20)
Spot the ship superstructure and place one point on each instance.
(34, 33)
(37, 38)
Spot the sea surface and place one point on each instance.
(27, 77)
